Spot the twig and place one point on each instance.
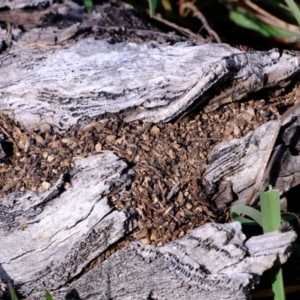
(261, 173)
(200, 40)
(196, 13)
(167, 211)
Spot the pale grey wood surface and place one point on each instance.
(212, 262)
(151, 82)
(238, 161)
(50, 238)
(16, 4)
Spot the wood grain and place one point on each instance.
(50, 238)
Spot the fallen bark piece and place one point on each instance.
(50, 238)
(151, 82)
(212, 262)
(239, 161)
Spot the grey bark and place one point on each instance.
(234, 165)
(212, 262)
(151, 82)
(48, 239)
(17, 4)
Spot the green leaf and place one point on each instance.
(152, 6)
(289, 216)
(48, 296)
(277, 283)
(271, 220)
(88, 4)
(12, 292)
(257, 25)
(254, 214)
(270, 210)
(294, 9)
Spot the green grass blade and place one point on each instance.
(294, 9)
(289, 216)
(266, 30)
(48, 296)
(270, 210)
(152, 6)
(12, 292)
(254, 214)
(88, 4)
(277, 283)
(271, 221)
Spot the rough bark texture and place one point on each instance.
(212, 262)
(49, 79)
(151, 82)
(16, 4)
(50, 238)
(235, 164)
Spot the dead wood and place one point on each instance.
(240, 161)
(67, 22)
(74, 82)
(16, 4)
(150, 82)
(47, 239)
(56, 77)
(213, 261)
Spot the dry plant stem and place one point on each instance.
(199, 40)
(268, 18)
(196, 13)
(9, 34)
(35, 45)
(260, 175)
(164, 199)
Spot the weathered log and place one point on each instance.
(152, 82)
(48, 239)
(234, 165)
(113, 20)
(212, 262)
